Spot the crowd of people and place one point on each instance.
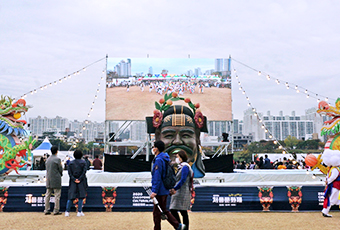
(162, 87)
(94, 164)
(266, 163)
(181, 192)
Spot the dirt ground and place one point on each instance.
(136, 105)
(143, 220)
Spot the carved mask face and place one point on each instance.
(176, 138)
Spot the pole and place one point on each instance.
(105, 124)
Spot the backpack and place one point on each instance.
(169, 179)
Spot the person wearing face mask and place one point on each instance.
(181, 193)
(158, 189)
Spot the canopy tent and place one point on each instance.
(45, 148)
(45, 145)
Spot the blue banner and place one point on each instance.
(205, 198)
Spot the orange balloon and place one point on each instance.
(311, 160)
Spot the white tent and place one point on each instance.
(45, 148)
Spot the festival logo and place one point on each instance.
(266, 197)
(295, 197)
(37, 201)
(109, 195)
(229, 200)
(3, 197)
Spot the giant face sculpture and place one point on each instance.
(177, 138)
(180, 129)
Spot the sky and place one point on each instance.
(173, 65)
(43, 41)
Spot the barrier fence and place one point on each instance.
(205, 198)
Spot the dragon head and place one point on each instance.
(10, 113)
(332, 125)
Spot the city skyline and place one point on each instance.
(173, 65)
(246, 126)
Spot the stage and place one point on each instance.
(238, 177)
(243, 190)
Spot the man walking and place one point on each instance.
(54, 172)
(158, 190)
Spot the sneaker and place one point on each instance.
(181, 227)
(47, 213)
(67, 214)
(57, 213)
(80, 214)
(326, 215)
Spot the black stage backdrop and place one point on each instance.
(123, 163)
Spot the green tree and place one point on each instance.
(50, 135)
(216, 73)
(312, 144)
(242, 156)
(63, 146)
(82, 147)
(291, 141)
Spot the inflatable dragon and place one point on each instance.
(330, 127)
(13, 152)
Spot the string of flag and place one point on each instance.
(259, 119)
(92, 105)
(289, 85)
(60, 80)
(64, 78)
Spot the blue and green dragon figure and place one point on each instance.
(14, 153)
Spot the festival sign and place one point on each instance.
(206, 198)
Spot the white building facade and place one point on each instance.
(39, 125)
(92, 130)
(303, 127)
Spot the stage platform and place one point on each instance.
(243, 190)
(246, 177)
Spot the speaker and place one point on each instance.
(225, 137)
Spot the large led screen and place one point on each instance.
(134, 84)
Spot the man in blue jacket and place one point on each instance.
(267, 164)
(158, 190)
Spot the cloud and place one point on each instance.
(43, 41)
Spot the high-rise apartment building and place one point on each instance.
(92, 130)
(40, 125)
(138, 131)
(219, 64)
(123, 68)
(226, 64)
(198, 71)
(281, 126)
(190, 73)
(209, 72)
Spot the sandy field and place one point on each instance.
(136, 105)
(143, 220)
